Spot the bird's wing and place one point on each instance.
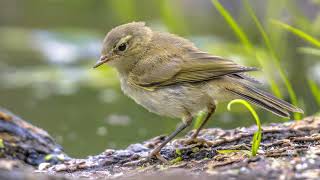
(193, 66)
(246, 78)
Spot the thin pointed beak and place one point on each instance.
(102, 60)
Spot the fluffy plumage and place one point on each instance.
(169, 76)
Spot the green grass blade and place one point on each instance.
(302, 35)
(315, 90)
(233, 24)
(274, 87)
(260, 27)
(258, 134)
(249, 107)
(292, 94)
(246, 42)
(256, 142)
(297, 32)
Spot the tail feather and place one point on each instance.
(265, 100)
(269, 97)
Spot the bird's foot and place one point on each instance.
(156, 153)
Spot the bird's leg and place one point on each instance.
(211, 110)
(186, 122)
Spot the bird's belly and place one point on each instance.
(173, 101)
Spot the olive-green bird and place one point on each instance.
(169, 76)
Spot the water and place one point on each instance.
(46, 77)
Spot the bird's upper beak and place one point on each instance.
(103, 59)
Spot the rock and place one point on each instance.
(288, 150)
(22, 141)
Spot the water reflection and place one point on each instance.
(66, 48)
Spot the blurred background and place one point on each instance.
(48, 48)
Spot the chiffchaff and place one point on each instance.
(169, 76)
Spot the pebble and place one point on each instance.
(60, 167)
(137, 148)
(123, 153)
(43, 166)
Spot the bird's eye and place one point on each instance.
(122, 47)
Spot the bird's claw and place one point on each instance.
(158, 156)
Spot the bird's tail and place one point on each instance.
(264, 100)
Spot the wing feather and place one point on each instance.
(194, 66)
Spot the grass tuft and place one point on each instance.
(312, 85)
(258, 134)
(275, 58)
(246, 42)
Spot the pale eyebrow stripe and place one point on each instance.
(124, 39)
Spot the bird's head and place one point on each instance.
(123, 44)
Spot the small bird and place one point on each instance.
(168, 75)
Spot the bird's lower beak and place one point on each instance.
(102, 60)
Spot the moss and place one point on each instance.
(195, 149)
(1, 143)
(178, 152)
(163, 167)
(229, 151)
(176, 160)
(48, 157)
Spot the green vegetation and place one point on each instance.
(228, 151)
(245, 40)
(297, 32)
(258, 134)
(314, 88)
(200, 117)
(176, 160)
(1, 143)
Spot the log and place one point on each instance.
(288, 150)
(19, 140)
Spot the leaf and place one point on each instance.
(297, 32)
